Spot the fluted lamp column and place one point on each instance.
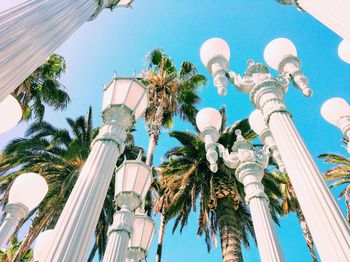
(257, 123)
(249, 168)
(141, 238)
(337, 112)
(327, 224)
(26, 192)
(334, 14)
(133, 180)
(124, 101)
(31, 31)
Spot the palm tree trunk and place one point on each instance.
(161, 233)
(32, 234)
(307, 235)
(230, 243)
(92, 253)
(153, 139)
(154, 133)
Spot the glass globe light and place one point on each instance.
(212, 48)
(344, 51)
(277, 50)
(208, 117)
(28, 189)
(10, 113)
(42, 243)
(257, 123)
(335, 108)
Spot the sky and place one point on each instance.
(118, 41)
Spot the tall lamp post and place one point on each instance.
(124, 101)
(326, 221)
(133, 180)
(31, 31)
(26, 192)
(249, 166)
(334, 14)
(337, 112)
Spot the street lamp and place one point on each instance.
(141, 238)
(337, 112)
(124, 101)
(10, 113)
(249, 168)
(41, 244)
(325, 219)
(344, 51)
(257, 123)
(132, 182)
(26, 192)
(33, 30)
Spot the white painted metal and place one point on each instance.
(332, 13)
(250, 175)
(249, 165)
(119, 236)
(30, 32)
(326, 222)
(14, 212)
(77, 223)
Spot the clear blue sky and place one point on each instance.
(118, 42)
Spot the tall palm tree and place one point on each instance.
(289, 203)
(42, 88)
(172, 92)
(339, 175)
(58, 155)
(186, 178)
(8, 254)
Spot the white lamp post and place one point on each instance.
(141, 238)
(326, 221)
(124, 101)
(334, 14)
(31, 31)
(27, 191)
(41, 244)
(10, 113)
(249, 165)
(257, 123)
(133, 180)
(337, 112)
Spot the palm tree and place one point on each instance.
(58, 155)
(8, 254)
(186, 178)
(339, 175)
(172, 92)
(289, 203)
(42, 88)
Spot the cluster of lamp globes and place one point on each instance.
(335, 110)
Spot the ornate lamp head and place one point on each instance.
(133, 180)
(125, 99)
